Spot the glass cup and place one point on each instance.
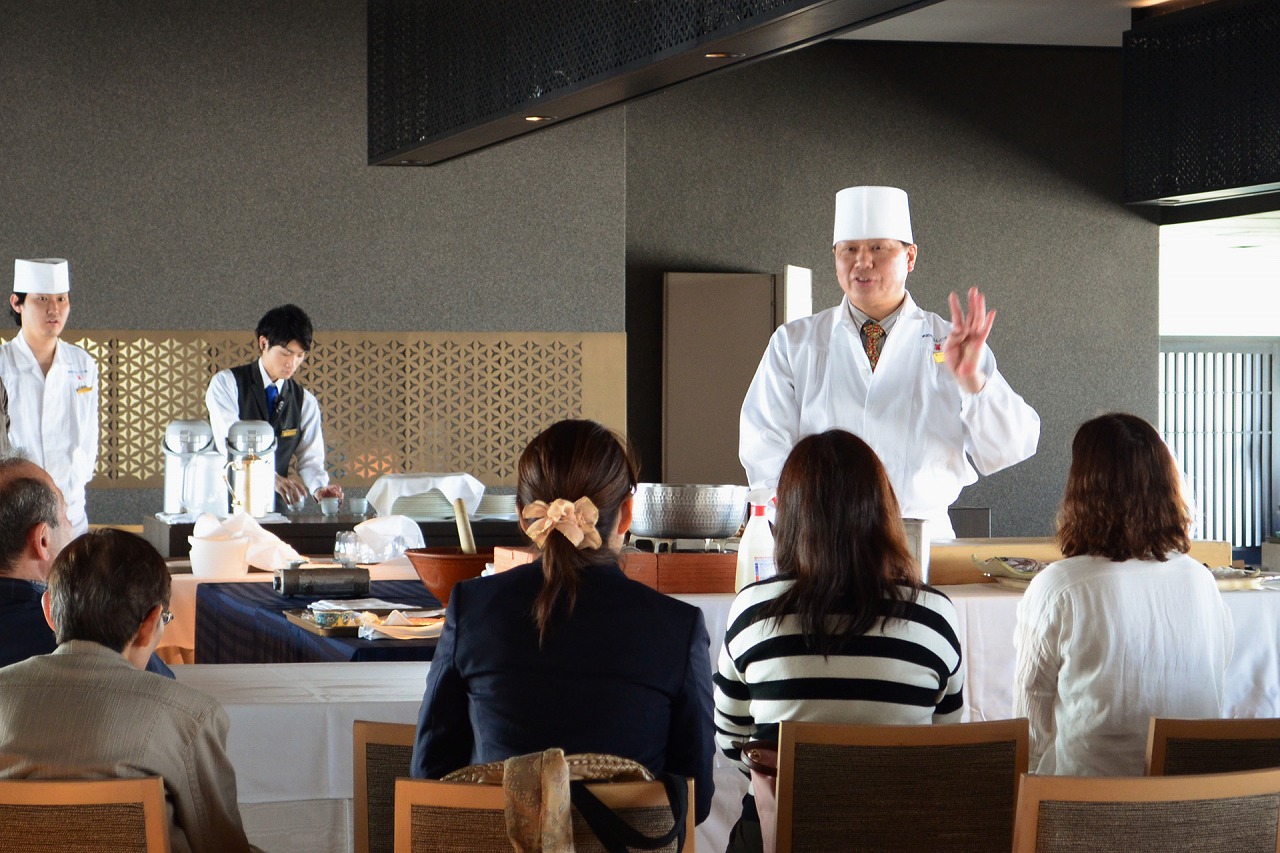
(357, 506)
(346, 547)
(329, 506)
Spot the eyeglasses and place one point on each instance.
(166, 616)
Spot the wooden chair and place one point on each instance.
(898, 788)
(84, 816)
(463, 817)
(1212, 813)
(1179, 747)
(383, 753)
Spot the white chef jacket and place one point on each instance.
(1104, 646)
(223, 401)
(54, 418)
(815, 376)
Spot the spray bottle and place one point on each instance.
(755, 550)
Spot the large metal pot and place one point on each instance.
(663, 511)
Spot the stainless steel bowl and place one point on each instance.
(664, 511)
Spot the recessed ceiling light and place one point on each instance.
(539, 118)
(723, 54)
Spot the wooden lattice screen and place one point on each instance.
(391, 401)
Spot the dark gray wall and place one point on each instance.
(1012, 160)
(199, 162)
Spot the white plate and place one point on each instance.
(1015, 584)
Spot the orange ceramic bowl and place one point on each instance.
(441, 568)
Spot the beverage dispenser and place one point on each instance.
(251, 467)
(183, 442)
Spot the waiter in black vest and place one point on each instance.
(264, 390)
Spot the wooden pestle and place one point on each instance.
(465, 538)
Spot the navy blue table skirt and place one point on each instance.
(244, 623)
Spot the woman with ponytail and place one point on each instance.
(567, 651)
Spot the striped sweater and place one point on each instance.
(903, 671)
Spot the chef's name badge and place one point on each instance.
(288, 433)
(84, 389)
(938, 355)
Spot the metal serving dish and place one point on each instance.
(664, 511)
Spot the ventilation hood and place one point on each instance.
(1201, 113)
(449, 77)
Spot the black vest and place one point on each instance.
(287, 417)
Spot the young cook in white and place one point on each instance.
(52, 385)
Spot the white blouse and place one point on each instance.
(1103, 646)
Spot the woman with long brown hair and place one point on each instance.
(846, 632)
(1127, 626)
(567, 651)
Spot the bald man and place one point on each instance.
(33, 530)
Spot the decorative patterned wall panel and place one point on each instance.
(391, 402)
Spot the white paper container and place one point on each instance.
(219, 558)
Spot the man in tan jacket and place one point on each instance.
(88, 710)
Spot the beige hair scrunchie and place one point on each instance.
(576, 521)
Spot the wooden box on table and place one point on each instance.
(678, 572)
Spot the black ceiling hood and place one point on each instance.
(1202, 104)
(449, 77)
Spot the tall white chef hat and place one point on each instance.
(41, 275)
(867, 213)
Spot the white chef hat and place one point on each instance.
(41, 275)
(868, 213)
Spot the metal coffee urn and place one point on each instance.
(183, 442)
(251, 467)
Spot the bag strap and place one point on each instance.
(615, 834)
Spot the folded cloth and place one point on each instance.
(380, 535)
(398, 626)
(330, 604)
(266, 550)
(388, 487)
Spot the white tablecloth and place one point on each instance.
(988, 615)
(290, 738)
(179, 640)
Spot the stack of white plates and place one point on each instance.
(434, 506)
(497, 506)
(428, 506)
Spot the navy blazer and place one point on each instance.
(24, 633)
(627, 674)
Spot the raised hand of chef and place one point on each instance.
(969, 330)
(290, 489)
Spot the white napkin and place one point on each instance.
(380, 533)
(266, 550)
(382, 496)
(333, 604)
(396, 626)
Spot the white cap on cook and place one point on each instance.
(41, 275)
(870, 213)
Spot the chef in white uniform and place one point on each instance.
(923, 392)
(52, 385)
